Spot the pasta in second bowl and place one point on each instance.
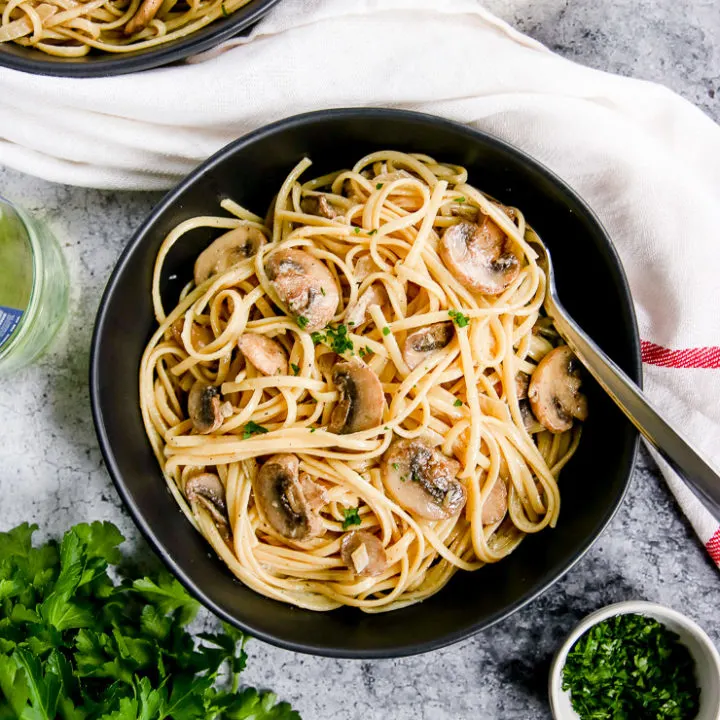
(384, 325)
(338, 465)
(113, 37)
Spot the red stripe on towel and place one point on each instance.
(705, 357)
(713, 547)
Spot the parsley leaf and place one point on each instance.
(336, 338)
(386, 331)
(301, 321)
(460, 199)
(458, 318)
(168, 596)
(295, 368)
(252, 428)
(378, 186)
(352, 517)
(458, 403)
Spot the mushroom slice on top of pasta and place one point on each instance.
(422, 479)
(229, 249)
(305, 286)
(479, 256)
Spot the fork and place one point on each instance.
(687, 462)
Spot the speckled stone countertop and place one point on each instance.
(52, 470)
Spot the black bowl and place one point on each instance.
(100, 64)
(591, 283)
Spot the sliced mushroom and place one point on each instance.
(305, 286)
(200, 335)
(280, 495)
(496, 503)
(357, 313)
(530, 422)
(521, 385)
(229, 249)
(522, 381)
(479, 256)
(143, 17)
(314, 493)
(265, 354)
(363, 267)
(207, 490)
(361, 398)
(554, 391)
(363, 553)
(422, 480)
(205, 408)
(427, 340)
(318, 205)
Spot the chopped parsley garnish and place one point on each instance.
(295, 368)
(365, 352)
(252, 428)
(396, 467)
(322, 291)
(352, 517)
(356, 230)
(224, 10)
(386, 331)
(336, 338)
(302, 322)
(460, 200)
(373, 232)
(458, 403)
(631, 667)
(378, 186)
(312, 430)
(458, 318)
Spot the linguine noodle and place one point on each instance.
(72, 28)
(364, 535)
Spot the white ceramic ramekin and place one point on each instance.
(707, 659)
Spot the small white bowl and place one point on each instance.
(707, 660)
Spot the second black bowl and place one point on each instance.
(100, 64)
(591, 283)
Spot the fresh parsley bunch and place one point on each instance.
(76, 645)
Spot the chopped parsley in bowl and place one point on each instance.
(636, 660)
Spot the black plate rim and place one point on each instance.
(367, 114)
(144, 59)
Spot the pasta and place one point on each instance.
(73, 28)
(359, 395)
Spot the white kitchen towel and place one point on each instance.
(647, 161)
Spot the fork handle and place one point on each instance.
(687, 462)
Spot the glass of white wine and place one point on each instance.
(33, 288)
